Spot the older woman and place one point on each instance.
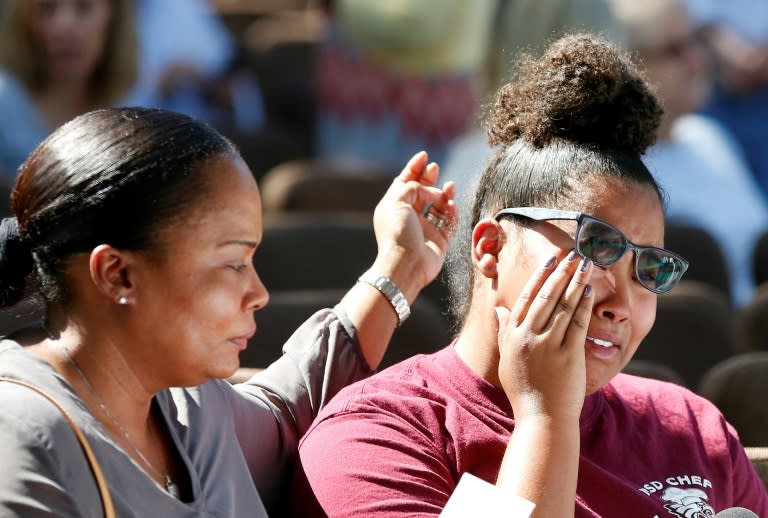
(138, 228)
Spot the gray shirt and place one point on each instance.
(237, 441)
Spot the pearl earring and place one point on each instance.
(122, 300)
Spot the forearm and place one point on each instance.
(541, 465)
(371, 313)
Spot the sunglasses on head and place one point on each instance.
(656, 269)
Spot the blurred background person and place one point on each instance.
(696, 160)
(58, 59)
(189, 62)
(530, 25)
(396, 77)
(522, 26)
(736, 34)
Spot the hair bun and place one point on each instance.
(582, 89)
(15, 262)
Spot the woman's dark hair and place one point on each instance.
(114, 176)
(582, 109)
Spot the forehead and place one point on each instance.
(632, 207)
(653, 22)
(230, 204)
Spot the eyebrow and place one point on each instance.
(241, 242)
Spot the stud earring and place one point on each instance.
(122, 300)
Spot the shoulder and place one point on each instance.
(414, 398)
(706, 134)
(35, 436)
(13, 95)
(43, 461)
(9, 86)
(209, 402)
(638, 388)
(668, 404)
(28, 414)
(408, 380)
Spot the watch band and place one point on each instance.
(392, 293)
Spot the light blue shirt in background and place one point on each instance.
(22, 127)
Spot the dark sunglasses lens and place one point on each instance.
(602, 244)
(657, 270)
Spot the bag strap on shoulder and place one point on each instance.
(101, 482)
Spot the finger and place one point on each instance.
(414, 169)
(566, 308)
(449, 188)
(431, 173)
(502, 319)
(451, 218)
(576, 332)
(438, 209)
(550, 295)
(531, 288)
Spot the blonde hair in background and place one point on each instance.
(114, 75)
(640, 19)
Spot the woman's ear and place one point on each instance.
(110, 272)
(487, 241)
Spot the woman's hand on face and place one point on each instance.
(412, 244)
(541, 340)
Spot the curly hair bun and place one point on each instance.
(583, 89)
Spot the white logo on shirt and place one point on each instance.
(680, 499)
(687, 503)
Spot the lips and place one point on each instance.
(242, 341)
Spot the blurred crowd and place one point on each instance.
(368, 83)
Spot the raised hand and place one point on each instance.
(541, 339)
(414, 222)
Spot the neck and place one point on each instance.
(477, 344)
(112, 376)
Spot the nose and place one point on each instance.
(257, 295)
(697, 59)
(613, 287)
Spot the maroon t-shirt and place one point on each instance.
(397, 443)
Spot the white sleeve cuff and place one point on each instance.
(476, 497)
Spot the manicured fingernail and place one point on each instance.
(571, 255)
(550, 262)
(587, 290)
(584, 264)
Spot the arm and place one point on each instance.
(373, 463)
(411, 251)
(335, 348)
(543, 372)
